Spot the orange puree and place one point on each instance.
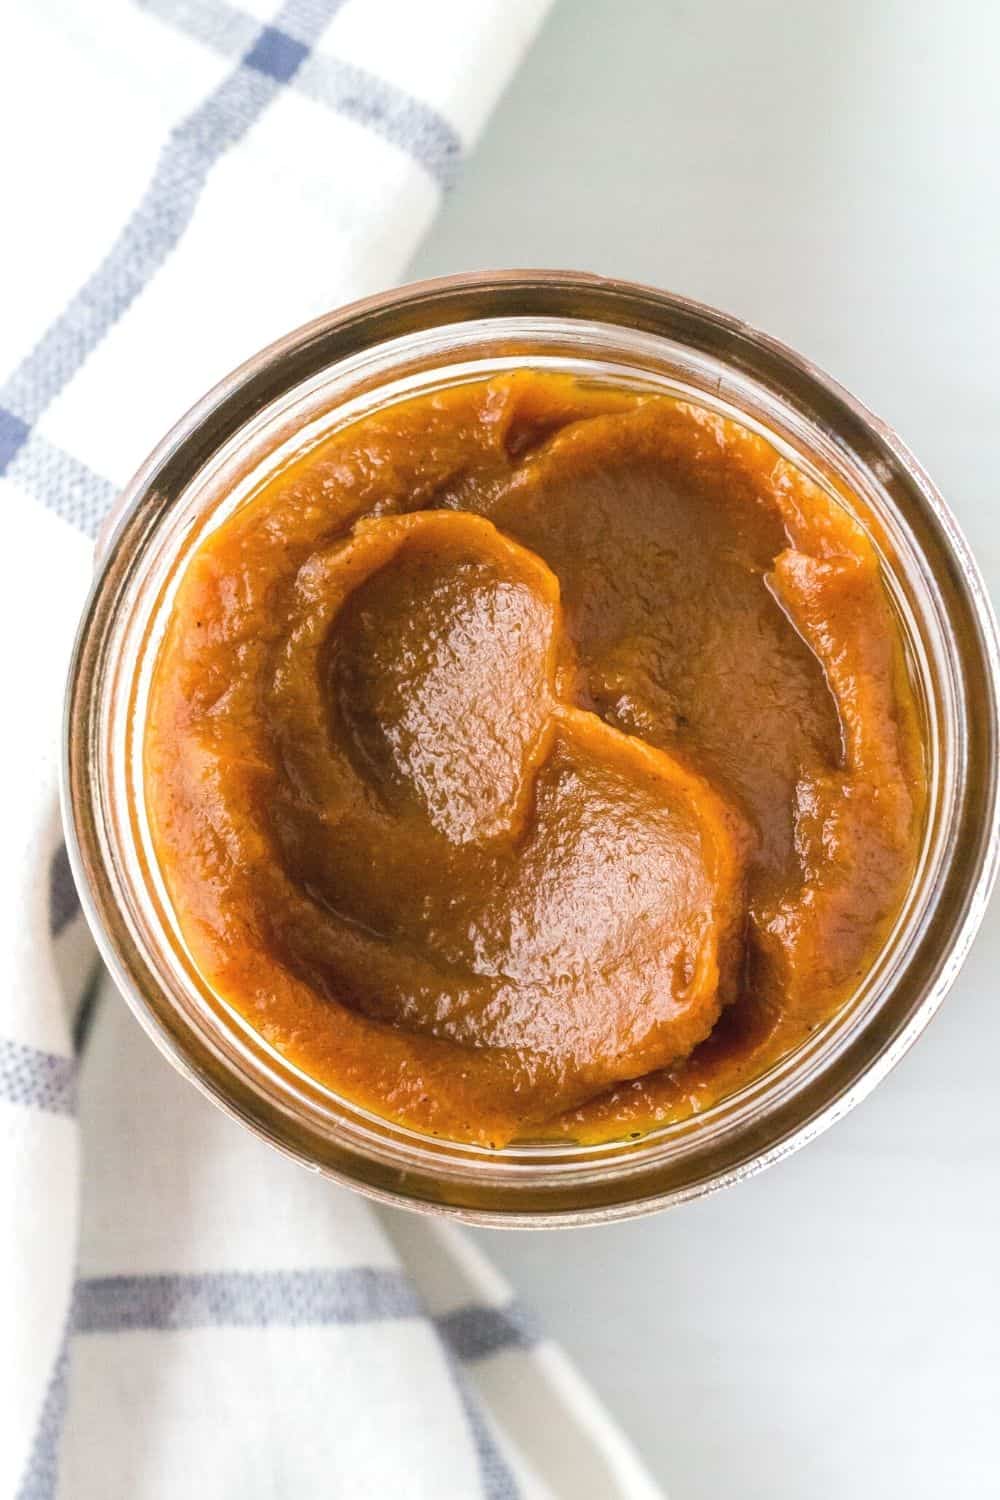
(534, 759)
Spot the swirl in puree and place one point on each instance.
(534, 759)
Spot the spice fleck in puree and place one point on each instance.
(534, 759)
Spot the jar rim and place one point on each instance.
(437, 1175)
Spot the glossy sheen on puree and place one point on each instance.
(534, 759)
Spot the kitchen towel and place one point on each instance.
(184, 1313)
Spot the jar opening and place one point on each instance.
(219, 458)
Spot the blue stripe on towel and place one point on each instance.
(37, 1079)
(477, 1332)
(276, 54)
(41, 1475)
(288, 1299)
(60, 481)
(497, 1480)
(243, 1299)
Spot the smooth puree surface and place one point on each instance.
(534, 759)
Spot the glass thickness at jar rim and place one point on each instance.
(605, 1181)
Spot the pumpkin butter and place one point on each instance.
(534, 759)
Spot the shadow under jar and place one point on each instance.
(617, 342)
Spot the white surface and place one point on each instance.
(828, 171)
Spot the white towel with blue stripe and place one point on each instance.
(183, 1313)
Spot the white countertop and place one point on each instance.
(830, 1329)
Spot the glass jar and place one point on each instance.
(405, 342)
